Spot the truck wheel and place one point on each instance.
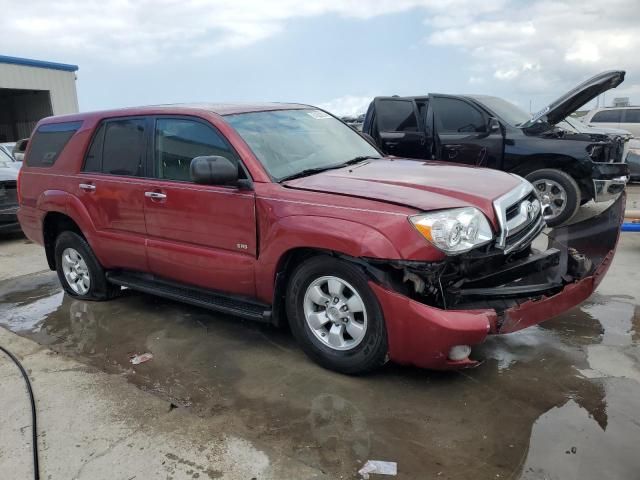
(559, 194)
(79, 271)
(335, 316)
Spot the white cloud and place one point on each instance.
(148, 30)
(348, 105)
(544, 46)
(532, 47)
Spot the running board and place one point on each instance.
(220, 302)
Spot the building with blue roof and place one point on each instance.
(31, 90)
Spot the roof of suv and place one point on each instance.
(218, 108)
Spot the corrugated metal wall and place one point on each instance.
(60, 86)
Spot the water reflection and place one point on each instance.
(538, 393)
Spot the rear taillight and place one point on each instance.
(18, 189)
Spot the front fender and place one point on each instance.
(316, 232)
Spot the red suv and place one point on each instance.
(282, 213)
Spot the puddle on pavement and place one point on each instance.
(557, 401)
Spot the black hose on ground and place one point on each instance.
(34, 427)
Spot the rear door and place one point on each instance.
(463, 133)
(631, 120)
(111, 187)
(608, 118)
(203, 235)
(396, 128)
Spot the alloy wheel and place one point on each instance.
(335, 313)
(76, 272)
(553, 197)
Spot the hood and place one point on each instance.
(422, 185)
(575, 98)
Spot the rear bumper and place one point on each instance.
(423, 335)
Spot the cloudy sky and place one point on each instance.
(334, 53)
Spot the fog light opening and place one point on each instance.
(459, 352)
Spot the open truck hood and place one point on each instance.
(568, 103)
(422, 185)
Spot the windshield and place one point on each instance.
(288, 142)
(507, 111)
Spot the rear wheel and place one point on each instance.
(559, 195)
(79, 271)
(335, 316)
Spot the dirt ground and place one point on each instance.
(226, 398)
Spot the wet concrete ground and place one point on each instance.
(557, 401)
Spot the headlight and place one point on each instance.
(454, 231)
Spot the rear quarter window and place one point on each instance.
(632, 115)
(48, 141)
(607, 116)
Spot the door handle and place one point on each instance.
(87, 187)
(452, 151)
(155, 195)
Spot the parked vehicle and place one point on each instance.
(7, 147)
(19, 148)
(282, 213)
(8, 197)
(615, 117)
(566, 170)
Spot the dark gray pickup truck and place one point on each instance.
(567, 169)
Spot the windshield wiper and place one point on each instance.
(311, 171)
(360, 159)
(308, 171)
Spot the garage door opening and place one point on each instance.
(20, 110)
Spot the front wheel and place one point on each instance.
(559, 195)
(335, 316)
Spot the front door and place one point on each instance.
(111, 188)
(396, 128)
(203, 235)
(463, 133)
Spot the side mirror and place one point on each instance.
(493, 125)
(213, 170)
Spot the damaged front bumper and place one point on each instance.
(523, 292)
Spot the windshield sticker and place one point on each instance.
(317, 114)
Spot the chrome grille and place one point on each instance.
(520, 217)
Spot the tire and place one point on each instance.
(550, 182)
(73, 246)
(359, 354)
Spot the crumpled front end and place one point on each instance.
(432, 307)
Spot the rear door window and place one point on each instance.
(457, 116)
(632, 115)
(118, 148)
(396, 116)
(48, 141)
(179, 140)
(607, 116)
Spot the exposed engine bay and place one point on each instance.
(600, 148)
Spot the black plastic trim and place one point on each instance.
(221, 302)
